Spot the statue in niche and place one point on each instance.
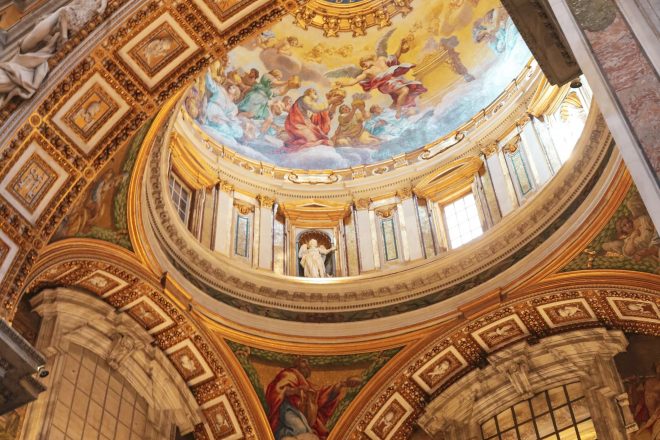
(312, 259)
(23, 73)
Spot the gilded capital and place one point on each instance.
(489, 150)
(361, 204)
(512, 146)
(226, 186)
(404, 193)
(385, 211)
(265, 201)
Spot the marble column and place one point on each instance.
(536, 153)
(624, 80)
(502, 185)
(223, 219)
(265, 232)
(410, 231)
(365, 239)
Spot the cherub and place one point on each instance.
(267, 40)
(385, 73)
(350, 130)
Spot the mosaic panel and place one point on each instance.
(102, 283)
(189, 362)
(566, 312)
(222, 420)
(89, 114)
(186, 363)
(158, 49)
(146, 315)
(32, 182)
(634, 309)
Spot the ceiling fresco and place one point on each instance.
(297, 99)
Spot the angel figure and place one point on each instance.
(385, 73)
(312, 259)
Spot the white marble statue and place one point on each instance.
(24, 72)
(312, 259)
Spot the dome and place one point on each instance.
(324, 92)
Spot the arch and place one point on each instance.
(601, 300)
(115, 276)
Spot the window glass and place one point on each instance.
(568, 418)
(462, 220)
(180, 197)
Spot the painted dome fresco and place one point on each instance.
(319, 96)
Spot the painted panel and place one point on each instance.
(307, 394)
(242, 236)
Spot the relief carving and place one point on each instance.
(25, 71)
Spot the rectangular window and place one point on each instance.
(242, 236)
(180, 197)
(560, 411)
(389, 239)
(462, 221)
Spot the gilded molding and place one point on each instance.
(593, 304)
(412, 282)
(243, 208)
(355, 17)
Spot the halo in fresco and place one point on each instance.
(296, 99)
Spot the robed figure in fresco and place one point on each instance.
(385, 73)
(644, 393)
(308, 122)
(298, 409)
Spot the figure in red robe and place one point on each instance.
(384, 73)
(308, 122)
(299, 410)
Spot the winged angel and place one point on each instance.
(312, 259)
(384, 72)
